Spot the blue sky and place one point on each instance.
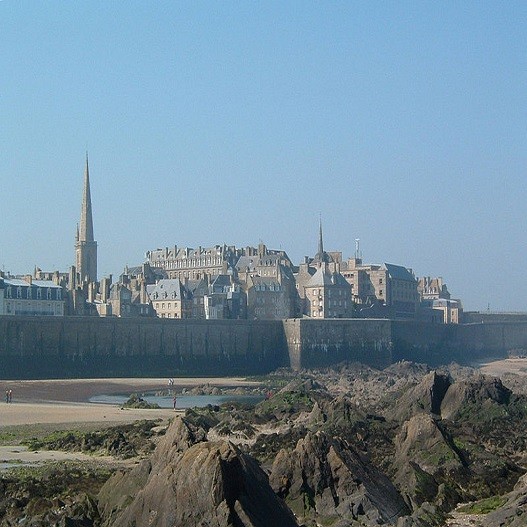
(403, 124)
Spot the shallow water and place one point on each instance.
(182, 402)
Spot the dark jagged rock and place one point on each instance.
(513, 513)
(192, 482)
(52, 496)
(324, 480)
(425, 397)
(479, 391)
(426, 456)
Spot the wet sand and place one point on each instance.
(498, 368)
(67, 401)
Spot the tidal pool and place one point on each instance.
(183, 401)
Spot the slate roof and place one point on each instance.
(399, 272)
(323, 278)
(16, 282)
(169, 289)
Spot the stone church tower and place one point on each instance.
(85, 245)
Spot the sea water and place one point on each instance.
(182, 401)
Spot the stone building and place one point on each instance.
(170, 299)
(267, 278)
(30, 297)
(402, 295)
(386, 290)
(441, 311)
(436, 304)
(323, 292)
(225, 299)
(194, 264)
(432, 288)
(327, 294)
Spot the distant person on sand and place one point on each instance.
(10, 396)
(7, 396)
(174, 401)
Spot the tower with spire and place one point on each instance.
(85, 245)
(322, 257)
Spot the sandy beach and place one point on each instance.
(498, 368)
(67, 400)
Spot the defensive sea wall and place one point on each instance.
(319, 343)
(437, 344)
(33, 347)
(40, 347)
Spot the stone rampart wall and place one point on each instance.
(318, 343)
(476, 317)
(32, 347)
(464, 343)
(89, 346)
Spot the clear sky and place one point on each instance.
(403, 124)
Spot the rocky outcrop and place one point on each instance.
(425, 397)
(324, 480)
(513, 513)
(480, 391)
(425, 458)
(192, 482)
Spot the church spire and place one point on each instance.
(85, 245)
(320, 242)
(322, 256)
(86, 223)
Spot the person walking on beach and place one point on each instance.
(7, 396)
(10, 396)
(174, 401)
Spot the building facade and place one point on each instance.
(170, 299)
(30, 297)
(194, 264)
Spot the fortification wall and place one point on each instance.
(318, 343)
(464, 343)
(476, 317)
(38, 347)
(88, 346)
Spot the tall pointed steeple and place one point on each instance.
(320, 241)
(85, 245)
(86, 223)
(322, 257)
